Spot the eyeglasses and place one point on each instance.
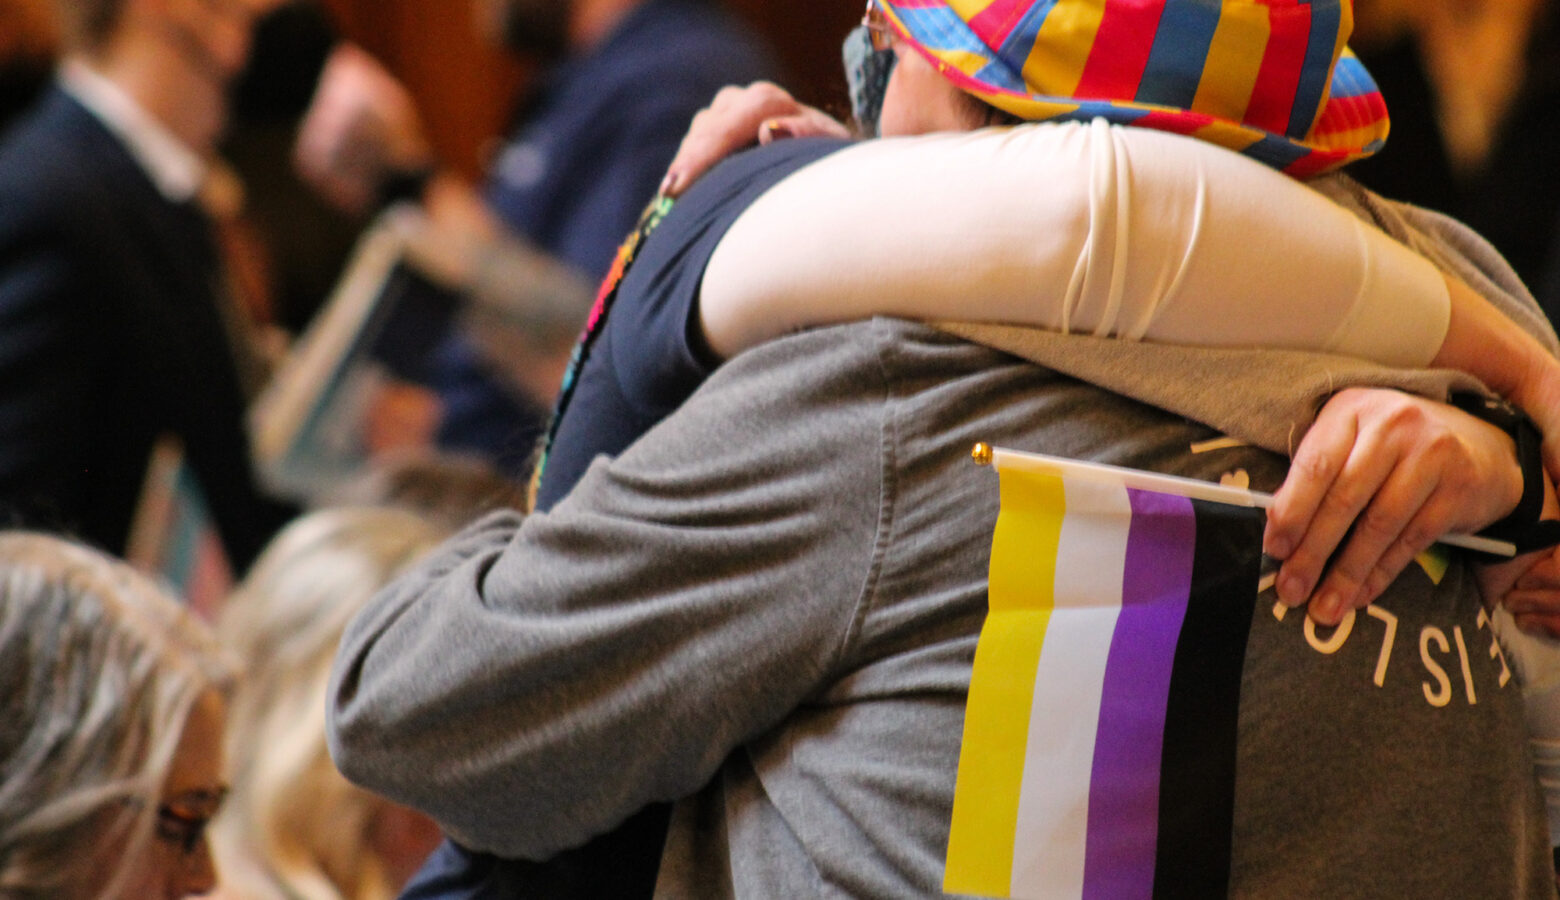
(877, 26)
(182, 822)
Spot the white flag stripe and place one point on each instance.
(1048, 846)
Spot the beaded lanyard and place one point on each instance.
(606, 295)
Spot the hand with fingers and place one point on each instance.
(1529, 585)
(1534, 595)
(740, 117)
(1382, 475)
(361, 128)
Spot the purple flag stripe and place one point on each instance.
(1124, 784)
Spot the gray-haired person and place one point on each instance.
(112, 708)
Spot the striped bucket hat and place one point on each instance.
(1272, 79)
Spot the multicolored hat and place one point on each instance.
(1272, 79)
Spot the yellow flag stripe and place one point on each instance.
(1434, 561)
(996, 724)
(1024, 545)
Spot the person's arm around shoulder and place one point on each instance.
(1122, 232)
(534, 682)
(1074, 227)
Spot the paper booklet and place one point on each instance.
(353, 378)
(173, 536)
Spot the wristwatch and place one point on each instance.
(1522, 526)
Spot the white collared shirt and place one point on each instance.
(176, 170)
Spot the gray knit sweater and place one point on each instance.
(767, 608)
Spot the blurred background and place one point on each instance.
(464, 87)
(1470, 84)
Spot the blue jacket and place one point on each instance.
(588, 151)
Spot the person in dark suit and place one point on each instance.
(112, 325)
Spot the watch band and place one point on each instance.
(1522, 526)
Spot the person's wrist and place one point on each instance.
(1527, 382)
(1522, 526)
(1538, 394)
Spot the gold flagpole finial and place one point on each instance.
(981, 454)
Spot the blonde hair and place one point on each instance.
(451, 489)
(98, 671)
(293, 826)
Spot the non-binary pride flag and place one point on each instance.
(1099, 739)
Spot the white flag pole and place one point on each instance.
(1019, 460)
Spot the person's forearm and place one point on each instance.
(1484, 343)
(531, 684)
(1116, 232)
